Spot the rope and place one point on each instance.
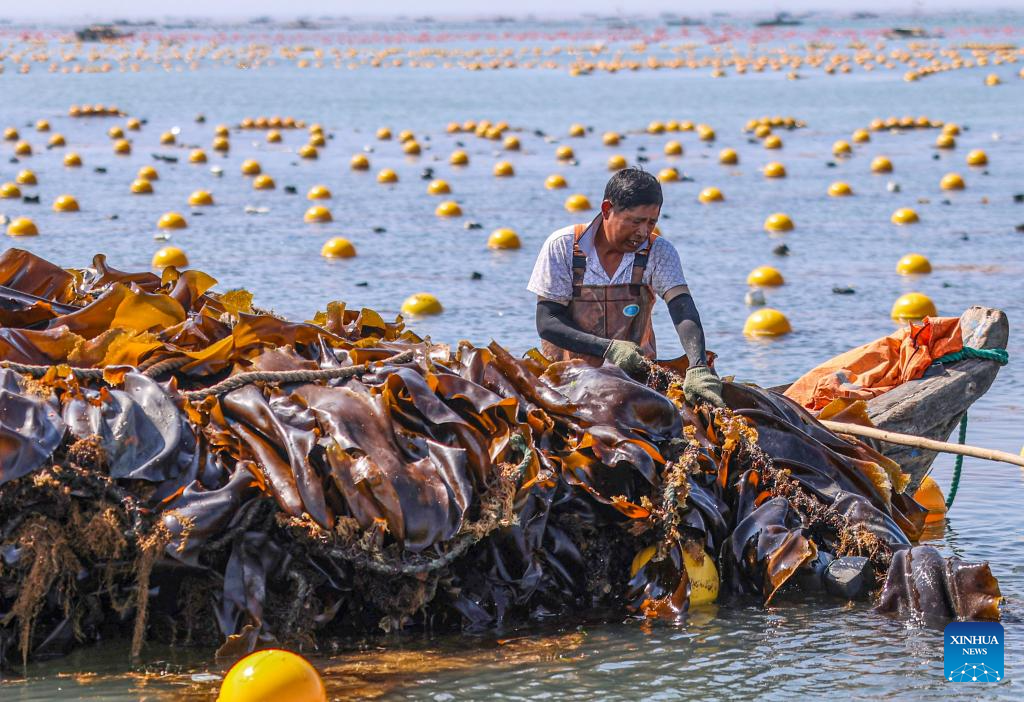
(1000, 356)
(955, 484)
(40, 371)
(294, 376)
(165, 366)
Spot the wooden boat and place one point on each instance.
(933, 405)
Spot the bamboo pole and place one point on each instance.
(893, 437)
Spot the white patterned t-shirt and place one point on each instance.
(552, 273)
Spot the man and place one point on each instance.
(596, 288)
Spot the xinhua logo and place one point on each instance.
(974, 652)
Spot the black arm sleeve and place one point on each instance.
(555, 325)
(687, 322)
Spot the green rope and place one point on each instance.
(1000, 356)
(955, 484)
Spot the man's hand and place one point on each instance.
(626, 355)
(702, 385)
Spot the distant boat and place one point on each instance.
(782, 19)
(101, 32)
(863, 15)
(683, 22)
(910, 33)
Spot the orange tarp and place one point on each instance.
(870, 370)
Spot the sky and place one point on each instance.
(106, 9)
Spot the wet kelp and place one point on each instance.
(180, 465)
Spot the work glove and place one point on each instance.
(626, 355)
(702, 385)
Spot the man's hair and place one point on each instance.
(633, 187)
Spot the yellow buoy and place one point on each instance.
(610, 139)
(383, 133)
(65, 203)
(881, 164)
(148, 173)
(772, 141)
(774, 169)
(765, 276)
(668, 175)
(655, 128)
(359, 163)
(861, 136)
(42, 125)
(263, 182)
(200, 198)
(778, 222)
(22, 226)
(25, 177)
(766, 322)
(503, 239)
(710, 194)
(72, 160)
(122, 147)
(762, 130)
(317, 213)
(913, 264)
(728, 157)
(406, 135)
(308, 151)
(221, 145)
(141, 186)
(945, 141)
(448, 208)
(577, 130)
(272, 676)
(56, 140)
(458, 158)
(438, 187)
(169, 256)
(703, 577)
(11, 134)
(9, 191)
(168, 138)
(503, 169)
(197, 156)
(318, 192)
(951, 128)
(115, 132)
(673, 148)
(577, 203)
(977, 157)
(273, 137)
(221, 130)
(616, 162)
(555, 181)
(564, 153)
(511, 143)
(912, 307)
(840, 189)
(952, 181)
(705, 133)
(250, 167)
(338, 247)
(171, 220)
(317, 139)
(992, 79)
(904, 215)
(22, 148)
(842, 148)
(386, 175)
(929, 495)
(133, 124)
(422, 304)
(411, 148)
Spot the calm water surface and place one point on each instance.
(794, 648)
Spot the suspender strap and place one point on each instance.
(579, 261)
(640, 265)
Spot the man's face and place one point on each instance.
(627, 230)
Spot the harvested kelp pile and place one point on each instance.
(180, 465)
